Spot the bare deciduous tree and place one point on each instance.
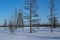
(53, 19)
(32, 7)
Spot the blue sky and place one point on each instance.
(7, 8)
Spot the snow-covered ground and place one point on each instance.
(41, 34)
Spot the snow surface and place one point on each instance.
(41, 34)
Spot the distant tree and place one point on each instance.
(5, 23)
(20, 19)
(15, 18)
(11, 27)
(55, 22)
(32, 7)
(16, 14)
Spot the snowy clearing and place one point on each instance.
(42, 34)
